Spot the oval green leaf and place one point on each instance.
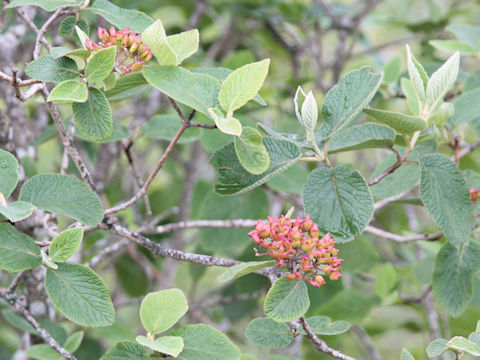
(17, 210)
(8, 173)
(251, 152)
(243, 269)
(268, 333)
(125, 350)
(168, 345)
(287, 300)
(80, 295)
(47, 68)
(137, 21)
(69, 91)
(100, 64)
(65, 244)
(404, 123)
(323, 325)
(17, 251)
(49, 5)
(437, 347)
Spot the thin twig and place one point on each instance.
(43, 30)
(398, 238)
(240, 223)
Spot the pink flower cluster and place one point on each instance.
(474, 194)
(298, 248)
(132, 52)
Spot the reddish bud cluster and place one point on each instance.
(474, 194)
(129, 45)
(298, 248)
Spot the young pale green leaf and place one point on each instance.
(80, 295)
(65, 244)
(198, 91)
(162, 309)
(459, 343)
(73, 342)
(243, 269)
(442, 80)
(43, 352)
(206, 343)
(348, 98)
(409, 92)
(403, 123)
(94, 117)
(137, 21)
(447, 198)
(392, 70)
(82, 38)
(69, 91)
(323, 325)
(242, 85)
(306, 110)
(17, 251)
(221, 74)
(125, 350)
(268, 333)
(364, 136)
(8, 173)
(234, 179)
(227, 125)
(251, 152)
(166, 126)
(155, 38)
(287, 300)
(184, 44)
(49, 5)
(339, 201)
(168, 345)
(406, 355)
(437, 347)
(47, 68)
(418, 77)
(453, 275)
(453, 45)
(466, 33)
(17, 210)
(385, 281)
(100, 64)
(65, 195)
(47, 260)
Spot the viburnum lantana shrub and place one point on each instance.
(98, 255)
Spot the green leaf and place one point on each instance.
(125, 350)
(392, 70)
(323, 325)
(69, 91)
(82, 38)
(234, 179)
(242, 85)
(169, 345)
(364, 136)
(47, 68)
(447, 198)
(418, 77)
(80, 295)
(94, 117)
(442, 80)
(17, 210)
(65, 244)
(65, 195)
(135, 20)
(8, 173)
(243, 269)
(184, 44)
(406, 355)
(198, 91)
(49, 5)
(100, 64)
(409, 92)
(17, 251)
(403, 123)
(347, 98)
(43, 352)
(437, 347)
(221, 73)
(166, 126)
(268, 333)
(385, 281)
(206, 343)
(459, 343)
(251, 152)
(287, 300)
(339, 201)
(453, 45)
(467, 33)
(162, 309)
(227, 125)
(155, 38)
(74, 341)
(453, 276)
(307, 111)
(466, 108)
(126, 85)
